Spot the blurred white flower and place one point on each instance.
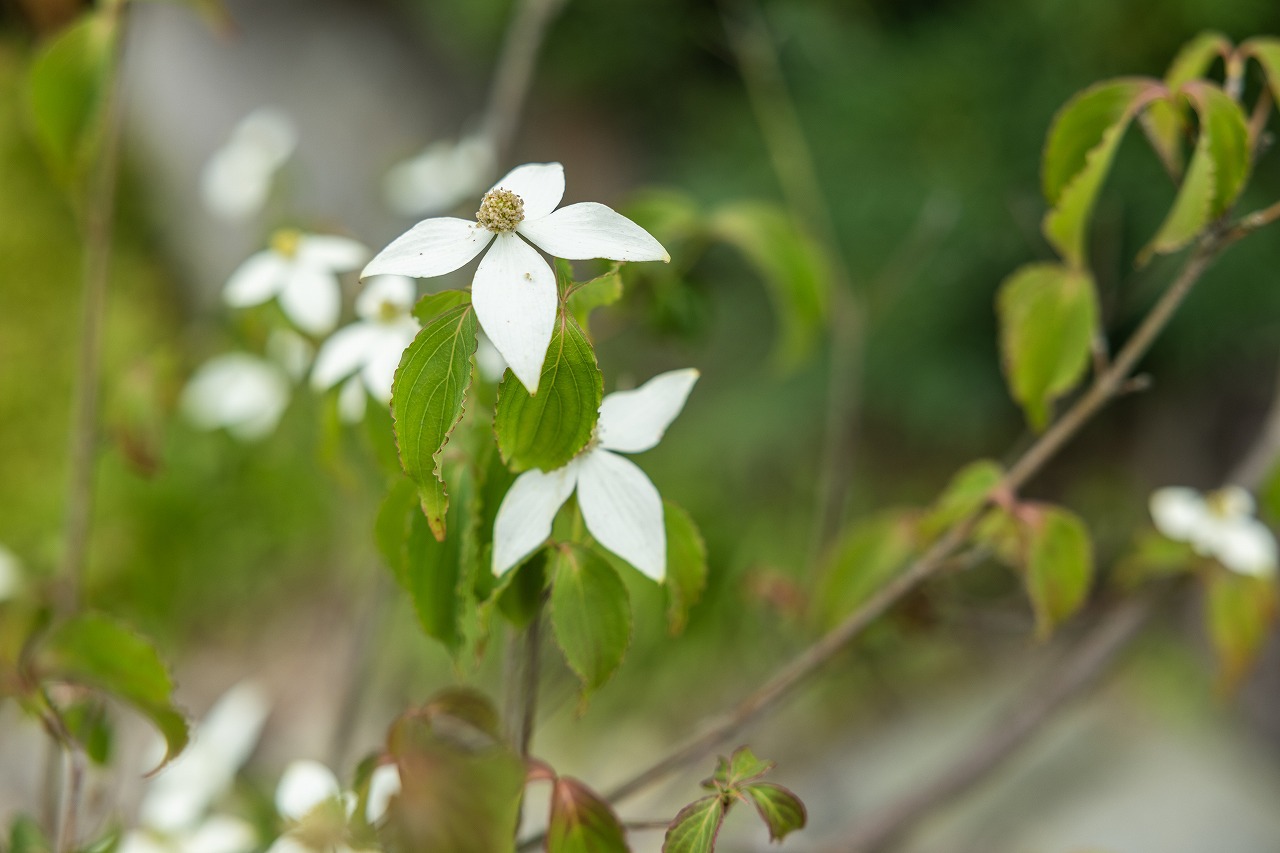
(311, 799)
(384, 783)
(367, 352)
(11, 575)
(514, 288)
(239, 392)
(301, 270)
(1219, 524)
(619, 503)
(441, 177)
(236, 180)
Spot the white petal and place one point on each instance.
(1247, 547)
(590, 230)
(222, 834)
(141, 842)
(237, 391)
(441, 177)
(335, 254)
(384, 357)
(311, 298)
(11, 577)
(432, 247)
(634, 421)
(525, 516)
(256, 280)
(289, 844)
(395, 290)
(514, 294)
(539, 185)
(352, 401)
(344, 354)
(268, 133)
(305, 785)
(1233, 501)
(383, 785)
(1179, 513)
(234, 184)
(623, 511)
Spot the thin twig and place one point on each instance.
(514, 73)
(532, 676)
(1077, 670)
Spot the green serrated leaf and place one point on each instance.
(1266, 50)
(696, 827)
(547, 430)
(581, 822)
(427, 399)
(1059, 569)
(590, 614)
(964, 495)
(686, 565)
(88, 724)
(738, 769)
(1216, 175)
(792, 266)
(863, 559)
(599, 292)
(1165, 121)
(1047, 315)
(98, 652)
(430, 307)
(1077, 157)
(65, 92)
(780, 809)
(1240, 611)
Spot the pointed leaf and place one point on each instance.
(1077, 157)
(599, 292)
(1047, 315)
(427, 398)
(967, 493)
(1267, 51)
(431, 306)
(1240, 612)
(581, 822)
(103, 654)
(590, 614)
(780, 809)
(1165, 121)
(1059, 569)
(696, 827)
(740, 768)
(686, 565)
(867, 555)
(547, 430)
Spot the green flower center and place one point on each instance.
(388, 311)
(500, 211)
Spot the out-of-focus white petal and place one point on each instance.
(239, 392)
(256, 280)
(430, 248)
(441, 177)
(623, 511)
(221, 834)
(291, 351)
(398, 291)
(344, 354)
(11, 577)
(234, 184)
(335, 254)
(1179, 513)
(539, 185)
(590, 230)
(305, 785)
(634, 421)
(527, 510)
(267, 132)
(289, 844)
(1232, 501)
(514, 294)
(384, 357)
(352, 400)
(311, 298)
(491, 363)
(137, 841)
(384, 784)
(1247, 546)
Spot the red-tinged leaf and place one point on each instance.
(696, 828)
(780, 809)
(581, 822)
(1059, 567)
(1165, 121)
(1240, 611)
(739, 768)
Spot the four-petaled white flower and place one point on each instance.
(367, 352)
(514, 288)
(311, 799)
(302, 271)
(441, 177)
(237, 391)
(619, 503)
(237, 178)
(1218, 525)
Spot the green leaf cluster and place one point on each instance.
(736, 779)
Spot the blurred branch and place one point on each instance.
(514, 73)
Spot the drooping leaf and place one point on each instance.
(547, 430)
(427, 398)
(1240, 612)
(599, 292)
(686, 565)
(1059, 569)
(696, 827)
(1077, 157)
(65, 90)
(964, 495)
(100, 653)
(741, 767)
(792, 266)
(1165, 120)
(865, 557)
(1266, 50)
(1047, 315)
(780, 809)
(590, 614)
(430, 307)
(1216, 174)
(88, 723)
(581, 822)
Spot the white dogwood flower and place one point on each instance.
(1220, 525)
(237, 178)
(302, 271)
(514, 288)
(239, 392)
(441, 177)
(367, 352)
(619, 503)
